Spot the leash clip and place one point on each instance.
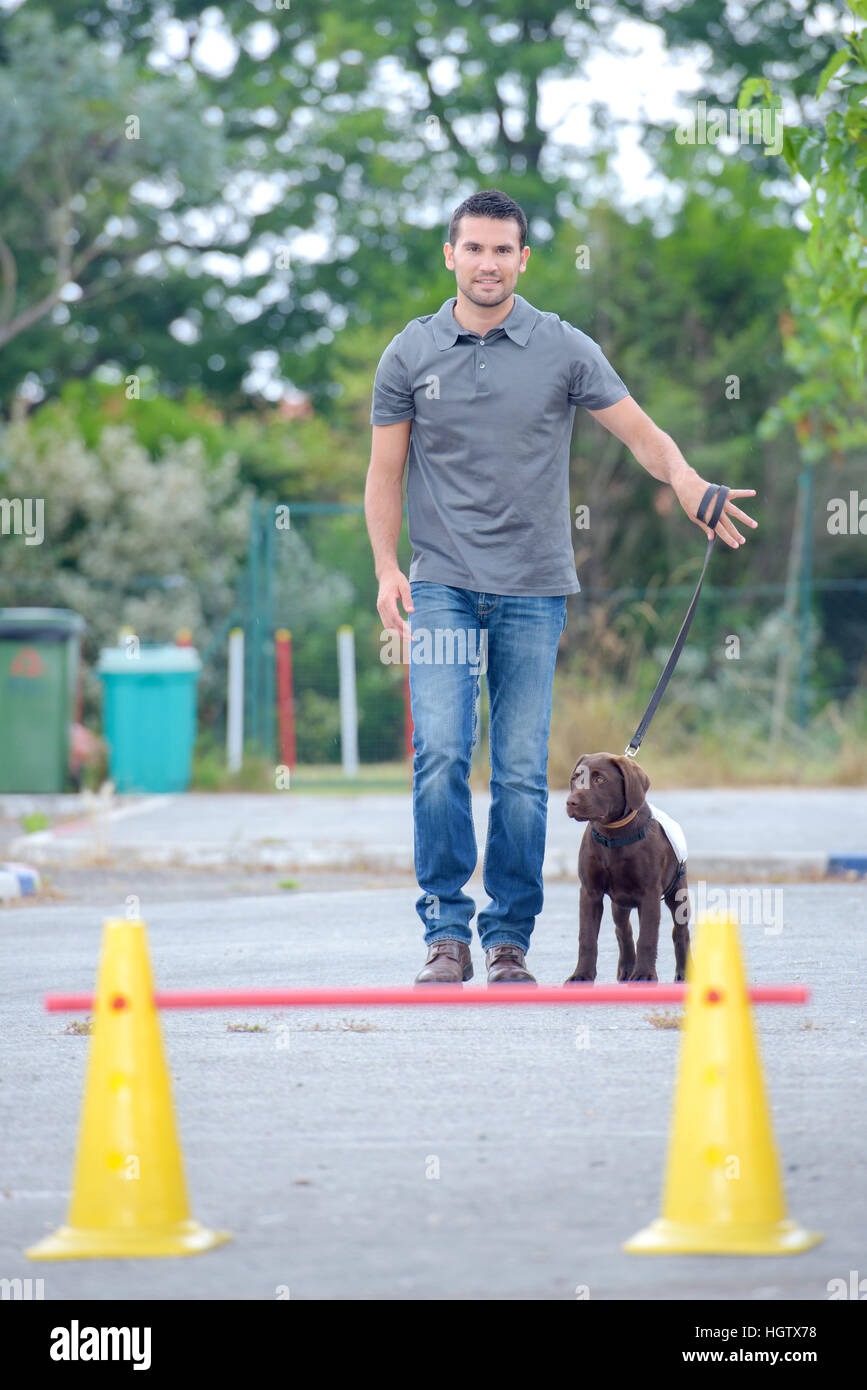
(630, 752)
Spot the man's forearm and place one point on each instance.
(383, 511)
(657, 452)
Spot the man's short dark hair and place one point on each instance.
(491, 202)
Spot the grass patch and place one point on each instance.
(663, 1018)
(371, 777)
(246, 1028)
(35, 820)
(48, 890)
(79, 1026)
(258, 773)
(343, 1025)
(210, 775)
(288, 883)
(684, 747)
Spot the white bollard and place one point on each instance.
(235, 701)
(348, 704)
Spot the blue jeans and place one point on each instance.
(455, 632)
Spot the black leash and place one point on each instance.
(719, 493)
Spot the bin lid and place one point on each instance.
(153, 659)
(36, 623)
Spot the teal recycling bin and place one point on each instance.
(39, 664)
(149, 715)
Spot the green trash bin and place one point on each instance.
(149, 715)
(40, 652)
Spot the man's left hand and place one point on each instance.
(691, 489)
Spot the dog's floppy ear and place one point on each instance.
(635, 780)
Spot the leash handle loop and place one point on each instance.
(721, 493)
(713, 503)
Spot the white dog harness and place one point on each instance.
(676, 838)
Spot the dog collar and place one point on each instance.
(615, 844)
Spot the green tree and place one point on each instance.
(827, 283)
(826, 331)
(98, 163)
(738, 41)
(154, 544)
(368, 123)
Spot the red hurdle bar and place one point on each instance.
(426, 995)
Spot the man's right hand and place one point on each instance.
(394, 587)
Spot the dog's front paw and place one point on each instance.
(580, 977)
(646, 973)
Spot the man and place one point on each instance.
(481, 395)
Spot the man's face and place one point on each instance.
(487, 259)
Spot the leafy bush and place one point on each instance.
(152, 544)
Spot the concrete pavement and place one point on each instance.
(427, 1155)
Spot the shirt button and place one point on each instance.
(481, 364)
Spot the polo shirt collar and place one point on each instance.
(518, 323)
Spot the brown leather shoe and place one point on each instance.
(506, 966)
(448, 963)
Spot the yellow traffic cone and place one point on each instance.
(129, 1197)
(723, 1190)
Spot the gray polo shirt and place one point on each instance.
(487, 487)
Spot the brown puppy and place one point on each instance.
(625, 853)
